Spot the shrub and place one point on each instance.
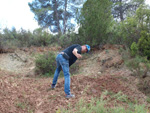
(128, 31)
(134, 49)
(144, 86)
(41, 37)
(65, 40)
(144, 44)
(139, 66)
(76, 39)
(45, 64)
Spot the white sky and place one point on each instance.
(17, 13)
(148, 2)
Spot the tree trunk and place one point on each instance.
(121, 10)
(56, 6)
(65, 19)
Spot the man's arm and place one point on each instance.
(75, 52)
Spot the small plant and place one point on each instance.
(21, 105)
(25, 106)
(100, 106)
(148, 99)
(134, 49)
(46, 64)
(144, 86)
(121, 97)
(125, 54)
(138, 65)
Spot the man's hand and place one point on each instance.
(79, 56)
(76, 53)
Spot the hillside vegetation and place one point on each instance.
(102, 83)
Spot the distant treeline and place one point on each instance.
(98, 25)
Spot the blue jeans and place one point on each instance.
(63, 64)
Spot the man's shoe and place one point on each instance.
(70, 96)
(52, 87)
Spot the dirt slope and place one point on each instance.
(101, 70)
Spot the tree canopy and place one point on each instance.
(95, 20)
(54, 14)
(123, 8)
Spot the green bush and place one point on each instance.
(138, 65)
(46, 64)
(24, 38)
(144, 44)
(128, 31)
(77, 39)
(65, 40)
(41, 37)
(134, 49)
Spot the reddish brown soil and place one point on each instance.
(19, 94)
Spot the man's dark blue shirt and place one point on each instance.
(69, 50)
